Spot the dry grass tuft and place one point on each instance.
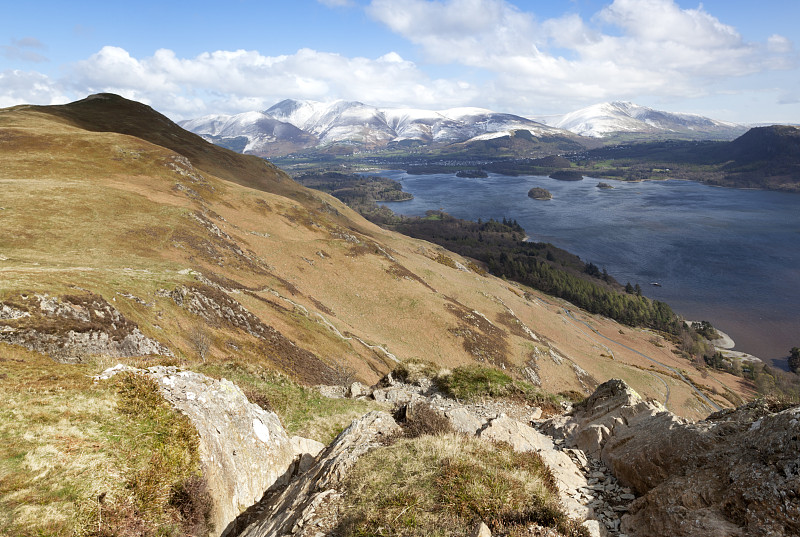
(421, 420)
(413, 370)
(442, 485)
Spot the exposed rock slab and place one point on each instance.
(295, 509)
(244, 449)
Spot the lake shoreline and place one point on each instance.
(726, 255)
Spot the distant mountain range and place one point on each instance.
(296, 125)
(763, 157)
(620, 119)
(292, 125)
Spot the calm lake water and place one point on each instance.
(728, 256)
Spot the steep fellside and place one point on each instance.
(105, 112)
(209, 268)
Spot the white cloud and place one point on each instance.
(629, 48)
(462, 31)
(337, 3)
(19, 49)
(233, 81)
(779, 44)
(25, 87)
(512, 61)
(30, 42)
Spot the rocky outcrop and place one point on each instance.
(625, 467)
(735, 473)
(509, 422)
(523, 437)
(69, 328)
(244, 449)
(302, 508)
(217, 308)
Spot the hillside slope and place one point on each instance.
(120, 214)
(128, 239)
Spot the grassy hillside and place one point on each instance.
(142, 225)
(119, 227)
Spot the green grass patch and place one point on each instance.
(472, 382)
(165, 458)
(79, 458)
(303, 410)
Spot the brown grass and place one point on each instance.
(442, 485)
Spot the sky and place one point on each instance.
(733, 60)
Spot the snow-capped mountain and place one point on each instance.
(293, 125)
(624, 118)
(354, 121)
(251, 132)
(310, 123)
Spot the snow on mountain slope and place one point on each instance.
(607, 119)
(352, 122)
(291, 125)
(261, 131)
(208, 125)
(301, 114)
(339, 121)
(412, 123)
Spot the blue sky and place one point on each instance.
(734, 60)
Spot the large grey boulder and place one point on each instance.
(244, 449)
(463, 421)
(305, 452)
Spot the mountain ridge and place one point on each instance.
(368, 127)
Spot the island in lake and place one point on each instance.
(567, 175)
(539, 193)
(472, 174)
(604, 185)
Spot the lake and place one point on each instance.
(728, 256)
